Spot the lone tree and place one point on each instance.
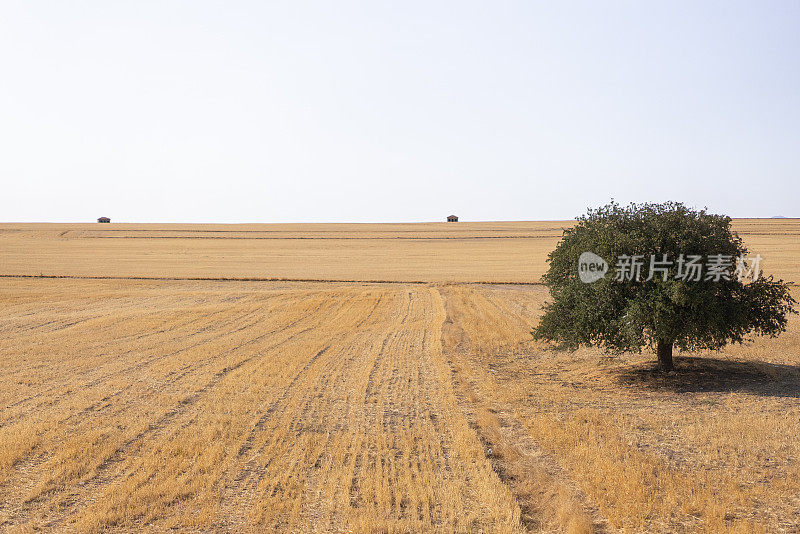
(675, 278)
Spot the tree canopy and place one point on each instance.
(676, 277)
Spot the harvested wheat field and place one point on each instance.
(365, 378)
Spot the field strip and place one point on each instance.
(123, 408)
(244, 408)
(198, 406)
(105, 476)
(329, 428)
(547, 497)
(209, 279)
(257, 279)
(472, 253)
(138, 367)
(215, 335)
(317, 238)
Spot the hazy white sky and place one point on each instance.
(196, 111)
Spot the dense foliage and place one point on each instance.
(665, 310)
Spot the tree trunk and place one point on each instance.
(664, 352)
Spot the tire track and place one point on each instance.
(299, 403)
(499, 430)
(130, 369)
(102, 476)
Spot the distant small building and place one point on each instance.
(104, 220)
(452, 218)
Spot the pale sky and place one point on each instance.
(229, 111)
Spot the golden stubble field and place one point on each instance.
(353, 406)
(430, 252)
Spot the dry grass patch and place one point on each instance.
(235, 406)
(712, 449)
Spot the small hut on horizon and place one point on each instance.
(452, 218)
(103, 220)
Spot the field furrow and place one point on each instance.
(296, 408)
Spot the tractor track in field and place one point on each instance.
(303, 415)
(510, 434)
(337, 413)
(101, 476)
(133, 368)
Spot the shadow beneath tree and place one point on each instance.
(696, 374)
